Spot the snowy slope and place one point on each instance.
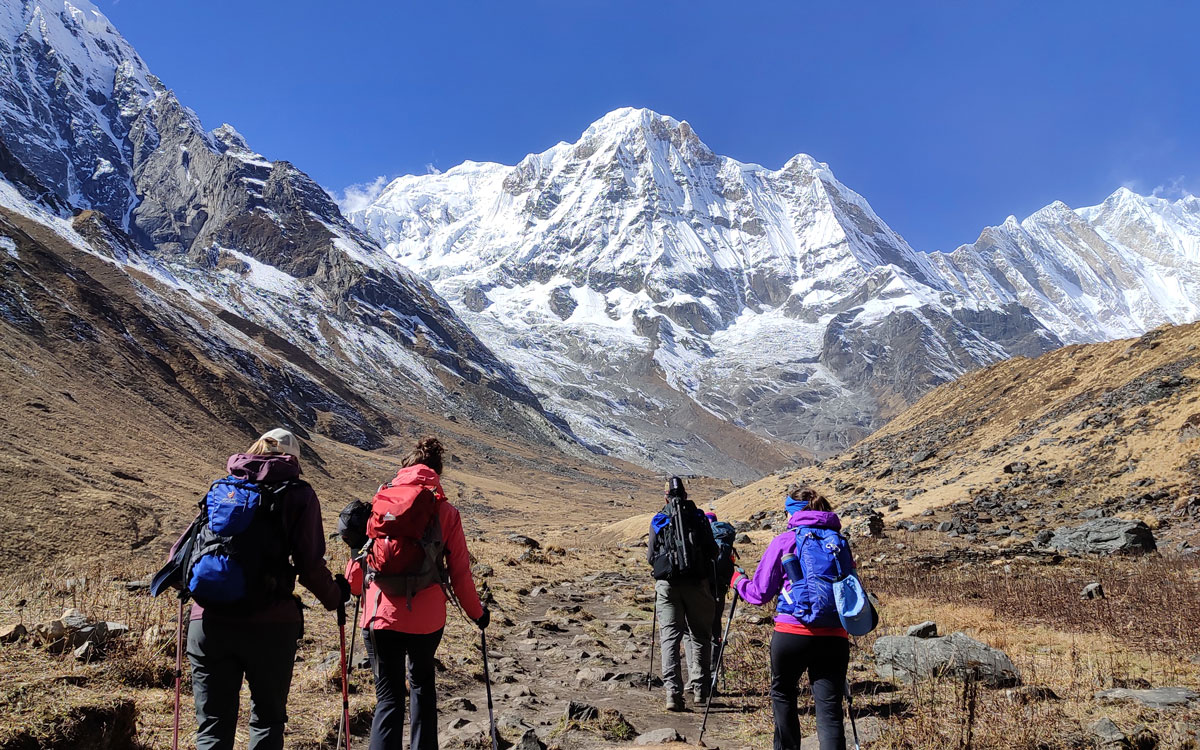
(634, 275)
(1094, 274)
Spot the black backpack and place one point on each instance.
(352, 524)
(681, 553)
(724, 533)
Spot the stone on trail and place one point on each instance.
(529, 741)
(927, 629)
(659, 737)
(459, 704)
(1105, 536)
(1160, 698)
(577, 711)
(592, 675)
(906, 658)
(1092, 591)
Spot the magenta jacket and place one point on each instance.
(769, 579)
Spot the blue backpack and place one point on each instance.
(240, 553)
(824, 557)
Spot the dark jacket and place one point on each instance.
(306, 537)
(703, 545)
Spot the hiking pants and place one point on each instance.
(825, 658)
(718, 613)
(222, 654)
(685, 609)
(389, 650)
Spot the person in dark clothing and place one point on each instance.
(258, 644)
(686, 598)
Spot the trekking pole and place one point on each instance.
(354, 629)
(653, 626)
(487, 681)
(344, 725)
(178, 669)
(850, 711)
(720, 660)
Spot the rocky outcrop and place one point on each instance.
(1105, 536)
(908, 658)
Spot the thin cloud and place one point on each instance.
(358, 196)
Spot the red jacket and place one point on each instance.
(428, 613)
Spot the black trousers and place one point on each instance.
(389, 650)
(222, 654)
(826, 659)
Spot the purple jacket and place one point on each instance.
(302, 524)
(769, 579)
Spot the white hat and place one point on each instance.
(288, 443)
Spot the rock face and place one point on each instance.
(1104, 536)
(907, 658)
(261, 243)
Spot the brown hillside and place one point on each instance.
(1031, 444)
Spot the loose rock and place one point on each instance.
(659, 737)
(906, 658)
(927, 629)
(1105, 536)
(1161, 698)
(1092, 591)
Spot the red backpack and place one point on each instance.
(406, 553)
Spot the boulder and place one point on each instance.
(1105, 536)
(927, 629)
(1107, 735)
(577, 711)
(907, 658)
(1092, 591)
(1160, 698)
(659, 737)
(524, 541)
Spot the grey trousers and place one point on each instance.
(685, 610)
(222, 654)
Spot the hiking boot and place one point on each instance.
(675, 703)
(701, 699)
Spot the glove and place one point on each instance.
(738, 574)
(343, 588)
(484, 619)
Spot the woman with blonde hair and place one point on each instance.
(417, 560)
(249, 630)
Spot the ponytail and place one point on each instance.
(428, 451)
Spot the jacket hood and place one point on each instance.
(273, 468)
(821, 519)
(420, 474)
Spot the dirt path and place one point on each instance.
(585, 640)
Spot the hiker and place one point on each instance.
(404, 605)
(723, 534)
(808, 634)
(255, 637)
(682, 554)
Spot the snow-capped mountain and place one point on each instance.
(85, 125)
(658, 295)
(1106, 272)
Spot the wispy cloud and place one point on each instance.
(1174, 188)
(431, 169)
(360, 195)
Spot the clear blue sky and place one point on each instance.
(947, 116)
